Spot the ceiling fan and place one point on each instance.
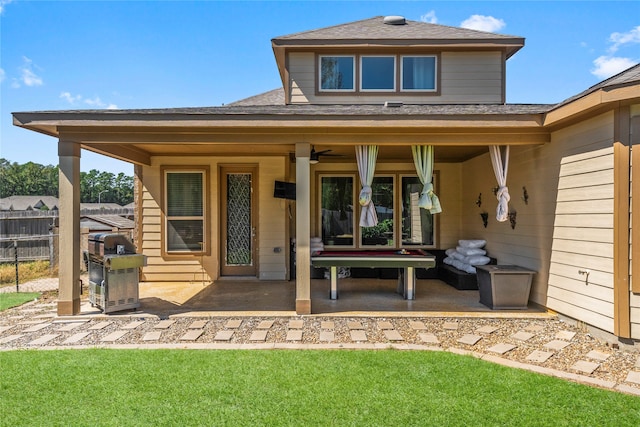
(315, 155)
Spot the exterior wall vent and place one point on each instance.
(394, 20)
(392, 104)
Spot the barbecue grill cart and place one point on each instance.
(113, 272)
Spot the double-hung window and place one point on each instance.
(337, 73)
(418, 73)
(185, 209)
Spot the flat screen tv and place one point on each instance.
(284, 190)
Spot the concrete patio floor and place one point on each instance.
(357, 297)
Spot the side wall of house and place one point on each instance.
(565, 224)
(466, 77)
(272, 222)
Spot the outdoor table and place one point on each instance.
(406, 260)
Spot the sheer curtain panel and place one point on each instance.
(423, 160)
(366, 156)
(500, 164)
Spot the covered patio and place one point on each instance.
(358, 297)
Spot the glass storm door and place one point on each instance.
(238, 243)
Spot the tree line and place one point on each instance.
(33, 179)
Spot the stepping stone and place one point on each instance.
(46, 316)
(164, 324)
(36, 328)
(5, 328)
(385, 325)
(75, 338)
(43, 339)
(114, 336)
(418, 326)
(152, 336)
(502, 348)
(328, 325)
(99, 326)
(192, 335)
(539, 356)
(633, 377)
(450, 326)
(429, 338)
(133, 325)
(598, 355)
(10, 338)
(327, 336)
(296, 324)
(265, 324)
(534, 328)
(223, 336)
(522, 336)
(585, 367)
(565, 335)
(469, 339)
(556, 345)
(260, 335)
(358, 335)
(294, 336)
(233, 324)
(198, 324)
(354, 325)
(393, 335)
(487, 329)
(70, 326)
(31, 322)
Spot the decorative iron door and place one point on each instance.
(238, 207)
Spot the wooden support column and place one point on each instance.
(69, 228)
(621, 207)
(303, 228)
(635, 204)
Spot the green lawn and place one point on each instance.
(14, 299)
(296, 388)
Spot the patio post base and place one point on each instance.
(69, 308)
(303, 306)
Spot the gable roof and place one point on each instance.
(375, 29)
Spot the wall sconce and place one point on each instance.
(512, 219)
(479, 201)
(485, 218)
(525, 195)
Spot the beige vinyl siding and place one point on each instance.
(567, 224)
(272, 245)
(471, 77)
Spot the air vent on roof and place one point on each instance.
(394, 20)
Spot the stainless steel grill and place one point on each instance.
(113, 272)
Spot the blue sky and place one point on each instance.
(62, 55)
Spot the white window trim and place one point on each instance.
(168, 218)
(435, 73)
(320, 89)
(395, 73)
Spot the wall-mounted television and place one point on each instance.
(284, 190)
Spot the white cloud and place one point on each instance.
(70, 98)
(95, 102)
(607, 66)
(430, 17)
(619, 39)
(483, 23)
(3, 3)
(27, 75)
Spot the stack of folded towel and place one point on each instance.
(467, 255)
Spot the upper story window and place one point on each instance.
(378, 73)
(337, 73)
(418, 73)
